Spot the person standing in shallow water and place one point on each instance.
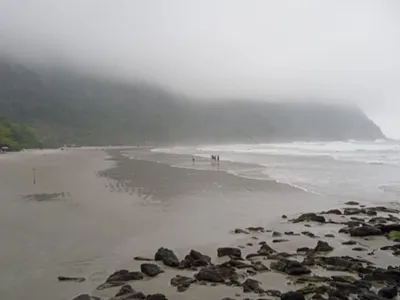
(218, 158)
(193, 159)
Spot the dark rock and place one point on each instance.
(265, 250)
(280, 241)
(177, 280)
(381, 220)
(251, 285)
(365, 231)
(388, 292)
(323, 247)
(368, 295)
(156, 297)
(353, 211)
(389, 227)
(239, 231)
(276, 234)
(217, 274)
(345, 286)
(237, 264)
(343, 278)
(289, 233)
(352, 203)
(304, 249)
(308, 233)
(195, 259)
(278, 256)
(260, 267)
(309, 260)
(183, 287)
(255, 229)
(126, 289)
(349, 243)
(291, 267)
(391, 247)
(329, 235)
(77, 279)
(229, 251)
(119, 278)
(311, 279)
(140, 258)
(249, 244)
(332, 212)
(292, 296)
(359, 249)
(151, 269)
(389, 275)
(310, 217)
(284, 217)
(168, 257)
(252, 255)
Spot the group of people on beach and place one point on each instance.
(214, 158)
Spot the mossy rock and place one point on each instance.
(394, 235)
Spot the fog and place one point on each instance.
(343, 51)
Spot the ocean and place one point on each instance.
(367, 171)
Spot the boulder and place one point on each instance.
(195, 259)
(291, 267)
(251, 285)
(276, 234)
(265, 250)
(125, 289)
(156, 297)
(388, 292)
(151, 270)
(168, 257)
(292, 296)
(215, 274)
(365, 231)
(323, 247)
(119, 278)
(310, 217)
(229, 251)
(179, 280)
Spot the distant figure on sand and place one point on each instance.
(218, 158)
(193, 159)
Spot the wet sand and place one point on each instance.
(91, 211)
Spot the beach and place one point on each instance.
(91, 211)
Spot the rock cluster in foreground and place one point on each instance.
(359, 277)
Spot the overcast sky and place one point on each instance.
(339, 50)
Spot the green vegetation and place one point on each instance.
(394, 235)
(17, 136)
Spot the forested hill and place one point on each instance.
(16, 136)
(69, 109)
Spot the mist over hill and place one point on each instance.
(66, 108)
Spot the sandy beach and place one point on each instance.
(91, 211)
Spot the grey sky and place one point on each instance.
(341, 50)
